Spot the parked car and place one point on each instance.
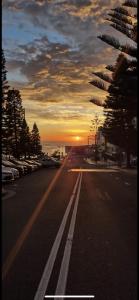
(50, 162)
(7, 176)
(13, 170)
(8, 163)
(134, 162)
(36, 162)
(29, 167)
(19, 163)
(34, 166)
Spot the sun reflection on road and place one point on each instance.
(92, 170)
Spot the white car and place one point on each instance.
(13, 170)
(34, 166)
(7, 176)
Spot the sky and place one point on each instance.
(51, 49)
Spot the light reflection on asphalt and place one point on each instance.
(92, 170)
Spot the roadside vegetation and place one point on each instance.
(17, 139)
(120, 106)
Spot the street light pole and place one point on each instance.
(95, 124)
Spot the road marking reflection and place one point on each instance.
(107, 196)
(100, 195)
(92, 170)
(127, 183)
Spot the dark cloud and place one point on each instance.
(80, 3)
(58, 64)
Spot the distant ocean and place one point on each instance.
(50, 148)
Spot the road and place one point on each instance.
(70, 231)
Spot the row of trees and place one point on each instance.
(17, 140)
(120, 106)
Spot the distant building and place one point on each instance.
(105, 146)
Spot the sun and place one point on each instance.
(77, 138)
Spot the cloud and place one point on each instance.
(57, 57)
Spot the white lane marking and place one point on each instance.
(107, 196)
(51, 260)
(70, 296)
(62, 280)
(127, 183)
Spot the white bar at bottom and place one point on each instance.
(69, 296)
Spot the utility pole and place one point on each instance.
(96, 122)
(90, 137)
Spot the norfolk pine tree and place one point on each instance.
(15, 115)
(25, 140)
(5, 88)
(120, 106)
(36, 147)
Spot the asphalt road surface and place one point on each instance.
(70, 231)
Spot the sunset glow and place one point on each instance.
(77, 138)
(50, 57)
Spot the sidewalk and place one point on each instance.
(99, 163)
(126, 170)
(111, 164)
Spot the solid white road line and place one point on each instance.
(61, 285)
(51, 260)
